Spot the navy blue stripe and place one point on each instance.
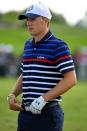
(29, 55)
(40, 68)
(67, 70)
(34, 90)
(45, 50)
(62, 53)
(43, 74)
(61, 47)
(38, 85)
(40, 80)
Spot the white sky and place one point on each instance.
(73, 10)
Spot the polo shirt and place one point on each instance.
(43, 66)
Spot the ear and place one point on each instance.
(46, 20)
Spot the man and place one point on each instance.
(47, 73)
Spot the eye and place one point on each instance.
(31, 19)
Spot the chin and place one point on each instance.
(32, 33)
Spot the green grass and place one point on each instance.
(74, 104)
(15, 37)
(75, 37)
(8, 118)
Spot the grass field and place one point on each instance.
(74, 104)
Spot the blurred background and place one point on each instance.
(69, 22)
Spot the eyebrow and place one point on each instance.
(31, 18)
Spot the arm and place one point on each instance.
(63, 86)
(18, 87)
(12, 101)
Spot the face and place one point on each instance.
(37, 26)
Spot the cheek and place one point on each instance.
(39, 27)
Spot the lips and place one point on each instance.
(30, 28)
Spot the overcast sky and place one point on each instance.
(73, 10)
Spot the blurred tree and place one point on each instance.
(0, 16)
(58, 18)
(12, 18)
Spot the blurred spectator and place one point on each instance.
(80, 61)
(77, 56)
(8, 64)
(83, 64)
(2, 64)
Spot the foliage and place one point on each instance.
(58, 18)
(10, 16)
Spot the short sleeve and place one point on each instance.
(63, 58)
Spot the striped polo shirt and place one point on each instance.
(43, 66)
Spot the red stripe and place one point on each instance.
(45, 60)
(40, 60)
(62, 58)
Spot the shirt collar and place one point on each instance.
(45, 38)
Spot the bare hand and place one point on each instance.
(14, 104)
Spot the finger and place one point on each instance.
(34, 110)
(15, 106)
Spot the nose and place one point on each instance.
(29, 21)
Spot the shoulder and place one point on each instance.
(57, 41)
(27, 42)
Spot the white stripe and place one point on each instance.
(48, 38)
(52, 78)
(25, 93)
(38, 71)
(36, 82)
(21, 69)
(64, 63)
(35, 65)
(67, 68)
(36, 88)
(32, 98)
(56, 100)
(28, 98)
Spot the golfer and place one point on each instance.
(47, 72)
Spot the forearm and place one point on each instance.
(62, 87)
(18, 87)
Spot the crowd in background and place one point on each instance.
(80, 61)
(10, 64)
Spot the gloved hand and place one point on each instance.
(37, 105)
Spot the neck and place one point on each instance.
(40, 36)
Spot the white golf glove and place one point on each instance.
(37, 105)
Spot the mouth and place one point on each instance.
(29, 27)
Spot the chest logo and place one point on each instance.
(41, 57)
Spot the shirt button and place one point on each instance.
(34, 48)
